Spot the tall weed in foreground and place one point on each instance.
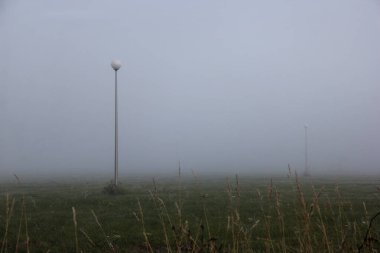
(291, 218)
(9, 243)
(9, 206)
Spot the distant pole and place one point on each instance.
(116, 65)
(306, 173)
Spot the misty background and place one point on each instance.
(218, 85)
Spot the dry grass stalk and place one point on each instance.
(19, 229)
(289, 171)
(26, 228)
(305, 241)
(9, 205)
(101, 228)
(162, 213)
(322, 225)
(75, 229)
(270, 189)
(145, 234)
(23, 217)
(280, 219)
(87, 237)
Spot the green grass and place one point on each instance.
(209, 214)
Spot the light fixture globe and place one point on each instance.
(116, 65)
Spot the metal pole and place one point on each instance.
(116, 135)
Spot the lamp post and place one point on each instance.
(116, 65)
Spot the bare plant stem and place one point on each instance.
(75, 229)
(9, 205)
(147, 244)
(104, 234)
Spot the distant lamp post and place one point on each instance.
(116, 65)
(306, 172)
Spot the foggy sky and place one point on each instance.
(218, 85)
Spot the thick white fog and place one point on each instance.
(218, 85)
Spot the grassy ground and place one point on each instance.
(219, 214)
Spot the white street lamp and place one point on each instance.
(116, 65)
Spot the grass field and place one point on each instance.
(193, 214)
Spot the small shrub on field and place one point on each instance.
(113, 189)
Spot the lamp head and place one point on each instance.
(116, 65)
